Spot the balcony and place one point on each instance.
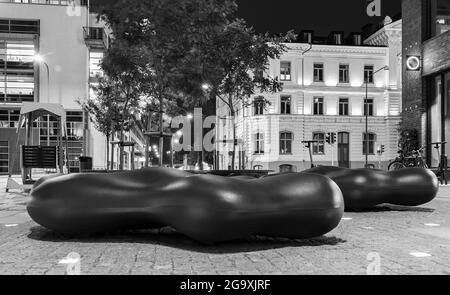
(95, 38)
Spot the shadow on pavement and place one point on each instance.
(169, 237)
(393, 208)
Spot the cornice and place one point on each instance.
(371, 50)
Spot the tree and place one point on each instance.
(161, 39)
(180, 45)
(125, 83)
(241, 62)
(103, 115)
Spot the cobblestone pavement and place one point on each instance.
(407, 240)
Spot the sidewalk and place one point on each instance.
(407, 241)
(12, 205)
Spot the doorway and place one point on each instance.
(344, 149)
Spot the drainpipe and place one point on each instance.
(303, 63)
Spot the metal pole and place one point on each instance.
(148, 140)
(310, 155)
(161, 136)
(366, 110)
(332, 155)
(48, 81)
(171, 152)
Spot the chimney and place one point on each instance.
(307, 36)
(355, 39)
(336, 38)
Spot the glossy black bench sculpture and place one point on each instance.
(205, 208)
(367, 188)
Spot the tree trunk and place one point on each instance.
(161, 129)
(121, 149)
(148, 141)
(202, 159)
(112, 153)
(232, 113)
(107, 151)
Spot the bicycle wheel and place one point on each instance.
(396, 166)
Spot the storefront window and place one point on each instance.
(436, 117)
(440, 10)
(447, 114)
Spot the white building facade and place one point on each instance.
(71, 43)
(324, 92)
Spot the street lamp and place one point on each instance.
(366, 110)
(40, 60)
(206, 86)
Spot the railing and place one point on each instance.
(95, 37)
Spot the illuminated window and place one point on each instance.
(440, 11)
(368, 107)
(319, 147)
(318, 106)
(285, 71)
(286, 143)
(95, 59)
(17, 71)
(343, 107)
(9, 118)
(368, 74)
(285, 105)
(259, 143)
(318, 72)
(344, 73)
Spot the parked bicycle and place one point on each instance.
(413, 159)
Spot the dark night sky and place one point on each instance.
(322, 16)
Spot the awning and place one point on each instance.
(38, 110)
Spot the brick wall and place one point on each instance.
(413, 88)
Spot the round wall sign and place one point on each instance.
(413, 63)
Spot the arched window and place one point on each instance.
(319, 147)
(369, 141)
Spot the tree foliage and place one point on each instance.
(164, 51)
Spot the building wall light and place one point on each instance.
(413, 63)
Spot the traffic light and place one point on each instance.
(382, 149)
(333, 138)
(328, 138)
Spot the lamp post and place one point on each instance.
(40, 60)
(366, 111)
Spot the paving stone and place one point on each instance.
(392, 232)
